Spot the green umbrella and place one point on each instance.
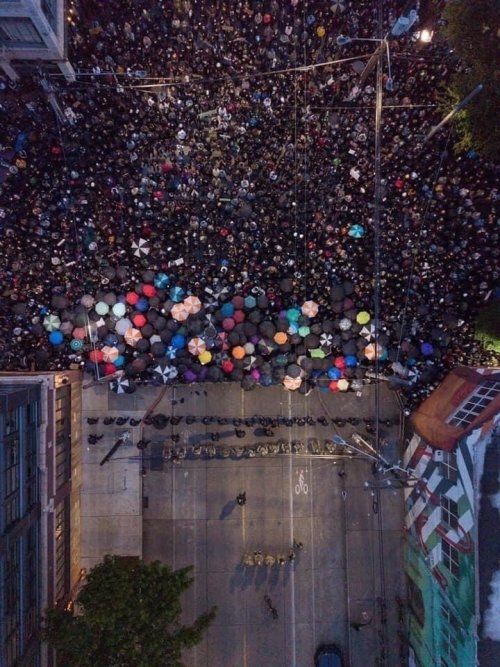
(317, 353)
(304, 331)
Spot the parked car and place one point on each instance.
(328, 655)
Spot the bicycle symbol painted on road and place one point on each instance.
(301, 486)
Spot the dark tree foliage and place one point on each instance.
(472, 32)
(127, 615)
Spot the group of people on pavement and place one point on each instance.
(229, 137)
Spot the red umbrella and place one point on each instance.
(149, 290)
(228, 324)
(139, 320)
(238, 316)
(109, 369)
(238, 302)
(132, 298)
(227, 366)
(334, 386)
(339, 363)
(96, 356)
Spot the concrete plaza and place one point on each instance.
(186, 514)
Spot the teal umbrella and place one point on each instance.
(177, 294)
(161, 281)
(293, 314)
(356, 231)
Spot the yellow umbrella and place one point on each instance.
(363, 317)
(343, 384)
(205, 357)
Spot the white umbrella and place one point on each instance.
(141, 248)
(338, 6)
(120, 385)
(51, 322)
(368, 332)
(165, 372)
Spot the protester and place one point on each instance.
(234, 175)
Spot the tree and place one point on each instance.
(471, 30)
(127, 615)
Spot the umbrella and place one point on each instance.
(426, 349)
(265, 380)
(196, 346)
(161, 281)
(304, 331)
(132, 336)
(139, 320)
(119, 309)
(345, 324)
(368, 332)
(248, 383)
(164, 372)
(76, 344)
(343, 384)
(56, 337)
(176, 294)
(374, 350)
(249, 362)
(280, 338)
(122, 385)
(205, 357)
(87, 300)
(334, 373)
(317, 353)
(292, 383)
(179, 341)
(192, 304)
(66, 328)
(51, 322)
(179, 312)
(326, 340)
(356, 231)
(333, 386)
(141, 248)
(363, 317)
(109, 353)
(121, 327)
(310, 308)
(79, 332)
(293, 314)
(250, 302)
(238, 352)
(171, 352)
(102, 308)
(338, 6)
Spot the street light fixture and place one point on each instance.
(426, 35)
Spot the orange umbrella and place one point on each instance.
(132, 336)
(310, 309)
(291, 383)
(179, 312)
(238, 352)
(373, 350)
(196, 346)
(280, 338)
(192, 304)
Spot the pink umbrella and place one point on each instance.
(310, 309)
(179, 312)
(110, 353)
(192, 304)
(132, 336)
(373, 350)
(228, 324)
(79, 333)
(196, 346)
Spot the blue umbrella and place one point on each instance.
(56, 337)
(427, 349)
(351, 361)
(119, 361)
(179, 341)
(334, 373)
(142, 305)
(356, 231)
(266, 380)
(111, 339)
(171, 352)
(250, 302)
(227, 309)
(177, 294)
(161, 281)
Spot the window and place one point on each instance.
(31, 468)
(449, 557)
(31, 583)
(475, 404)
(49, 8)
(11, 475)
(449, 512)
(19, 32)
(448, 466)
(12, 638)
(449, 628)
(62, 549)
(63, 440)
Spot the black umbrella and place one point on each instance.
(248, 383)
(286, 285)
(142, 345)
(293, 370)
(337, 293)
(214, 374)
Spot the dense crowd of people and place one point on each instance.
(228, 140)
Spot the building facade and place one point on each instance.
(33, 31)
(445, 455)
(40, 432)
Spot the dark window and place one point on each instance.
(63, 431)
(449, 512)
(20, 32)
(475, 404)
(62, 550)
(12, 638)
(450, 558)
(31, 467)
(49, 8)
(11, 474)
(449, 626)
(31, 583)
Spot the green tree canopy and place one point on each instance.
(127, 615)
(472, 32)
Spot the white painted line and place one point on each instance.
(292, 573)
